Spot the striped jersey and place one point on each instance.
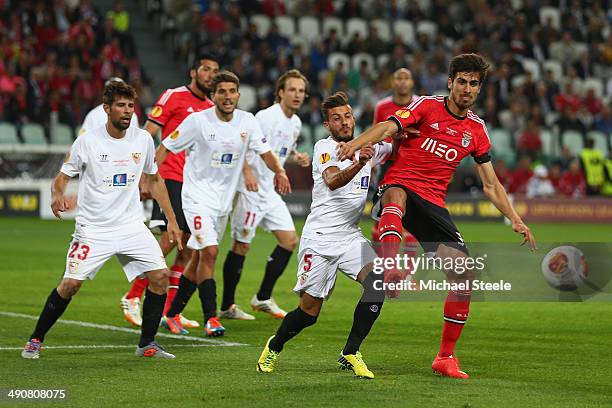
(426, 162)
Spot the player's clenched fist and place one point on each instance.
(61, 203)
(281, 182)
(366, 153)
(345, 151)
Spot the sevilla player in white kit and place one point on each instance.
(110, 161)
(217, 141)
(257, 204)
(332, 240)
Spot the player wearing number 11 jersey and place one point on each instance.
(332, 241)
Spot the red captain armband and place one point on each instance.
(483, 158)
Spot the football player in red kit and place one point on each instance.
(437, 133)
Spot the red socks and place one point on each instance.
(138, 288)
(456, 310)
(175, 276)
(390, 229)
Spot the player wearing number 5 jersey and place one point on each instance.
(216, 141)
(332, 240)
(110, 161)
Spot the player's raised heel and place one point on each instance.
(355, 363)
(188, 323)
(214, 328)
(173, 324)
(268, 306)
(32, 349)
(131, 310)
(267, 359)
(448, 367)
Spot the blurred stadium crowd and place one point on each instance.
(547, 101)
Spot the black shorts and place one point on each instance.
(174, 193)
(430, 224)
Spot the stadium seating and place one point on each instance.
(556, 68)
(573, 140)
(356, 25)
(382, 28)
(286, 26)
(8, 133)
(263, 24)
(427, 27)
(333, 59)
(33, 134)
(602, 141)
(362, 56)
(319, 133)
(305, 142)
(549, 142)
(405, 29)
(330, 23)
(501, 141)
(61, 134)
(532, 66)
(308, 28)
(547, 12)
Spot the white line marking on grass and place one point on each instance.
(219, 343)
(108, 346)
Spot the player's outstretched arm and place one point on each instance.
(250, 181)
(59, 201)
(497, 194)
(372, 135)
(281, 181)
(336, 178)
(160, 194)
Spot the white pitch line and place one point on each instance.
(108, 346)
(219, 343)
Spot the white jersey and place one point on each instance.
(97, 117)
(215, 155)
(334, 215)
(281, 133)
(110, 170)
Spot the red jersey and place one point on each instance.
(385, 108)
(426, 162)
(172, 107)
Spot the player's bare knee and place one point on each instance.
(69, 287)
(240, 248)
(394, 195)
(290, 242)
(183, 257)
(158, 281)
(209, 254)
(311, 305)
(456, 263)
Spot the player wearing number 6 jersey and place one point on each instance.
(216, 141)
(110, 161)
(332, 241)
(257, 204)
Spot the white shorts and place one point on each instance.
(134, 245)
(206, 230)
(319, 261)
(248, 215)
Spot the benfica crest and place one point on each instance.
(465, 140)
(136, 157)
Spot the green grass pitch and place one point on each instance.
(518, 354)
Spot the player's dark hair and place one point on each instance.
(468, 63)
(115, 90)
(282, 80)
(224, 76)
(198, 60)
(333, 101)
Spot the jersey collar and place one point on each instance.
(451, 113)
(196, 95)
